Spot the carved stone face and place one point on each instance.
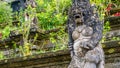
(77, 16)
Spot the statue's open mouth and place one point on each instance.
(78, 19)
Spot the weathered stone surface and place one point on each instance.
(112, 65)
(55, 59)
(111, 44)
(109, 35)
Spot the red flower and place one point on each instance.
(109, 7)
(116, 14)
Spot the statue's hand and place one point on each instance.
(87, 45)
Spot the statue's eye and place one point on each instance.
(83, 14)
(73, 12)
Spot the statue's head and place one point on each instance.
(77, 15)
(80, 12)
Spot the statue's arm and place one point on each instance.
(97, 34)
(70, 27)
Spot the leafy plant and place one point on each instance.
(5, 13)
(5, 19)
(59, 39)
(25, 29)
(2, 56)
(52, 13)
(5, 32)
(106, 27)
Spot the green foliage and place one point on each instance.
(5, 13)
(115, 38)
(101, 7)
(2, 56)
(5, 32)
(59, 39)
(5, 19)
(24, 29)
(49, 21)
(112, 50)
(116, 2)
(106, 27)
(52, 13)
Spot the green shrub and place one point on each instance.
(5, 19)
(5, 13)
(52, 13)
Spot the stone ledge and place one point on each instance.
(17, 37)
(41, 60)
(112, 65)
(111, 44)
(114, 20)
(114, 10)
(109, 35)
(59, 59)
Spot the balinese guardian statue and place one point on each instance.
(85, 33)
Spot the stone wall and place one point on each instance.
(61, 59)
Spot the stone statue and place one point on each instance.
(85, 32)
(83, 57)
(81, 34)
